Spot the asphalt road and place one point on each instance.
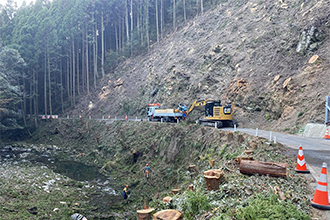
(316, 151)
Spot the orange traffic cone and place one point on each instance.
(327, 136)
(125, 117)
(109, 117)
(321, 200)
(301, 164)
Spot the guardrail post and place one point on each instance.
(90, 117)
(177, 121)
(67, 116)
(115, 118)
(234, 127)
(216, 125)
(103, 117)
(135, 118)
(257, 132)
(270, 136)
(161, 120)
(274, 139)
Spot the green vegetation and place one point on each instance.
(125, 148)
(269, 207)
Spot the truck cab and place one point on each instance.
(151, 110)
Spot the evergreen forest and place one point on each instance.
(54, 52)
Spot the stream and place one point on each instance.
(104, 197)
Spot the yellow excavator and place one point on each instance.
(216, 115)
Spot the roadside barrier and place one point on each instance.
(327, 136)
(321, 200)
(301, 164)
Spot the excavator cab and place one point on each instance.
(209, 107)
(218, 115)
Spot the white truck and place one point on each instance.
(156, 113)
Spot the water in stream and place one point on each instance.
(105, 197)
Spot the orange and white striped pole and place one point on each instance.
(301, 164)
(321, 200)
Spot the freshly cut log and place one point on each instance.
(263, 168)
(168, 214)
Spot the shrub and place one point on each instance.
(269, 207)
(194, 204)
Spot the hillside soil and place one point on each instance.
(252, 54)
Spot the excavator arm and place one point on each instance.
(198, 103)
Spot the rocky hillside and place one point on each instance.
(254, 54)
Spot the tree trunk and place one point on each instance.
(141, 28)
(45, 85)
(138, 18)
(87, 66)
(73, 73)
(157, 28)
(78, 72)
(61, 84)
(49, 86)
(131, 15)
(263, 168)
(67, 77)
(117, 38)
(31, 98)
(147, 22)
(71, 76)
(83, 62)
(102, 36)
(126, 21)
(36, 97)
(161, 18)
(184, 10)
(95, 53)
(174, 14)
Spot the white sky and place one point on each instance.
(19, 2)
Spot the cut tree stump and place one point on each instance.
(167, 199)
(144, 214)
(213, 178)
(263, 168)
(175, 191)
(168, 214)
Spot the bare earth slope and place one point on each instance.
(253, 54)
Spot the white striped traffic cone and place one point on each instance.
(301, 164)
(321, 200)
